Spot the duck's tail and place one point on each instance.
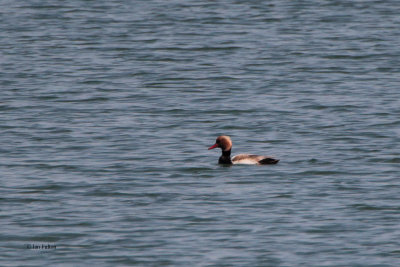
(268, 161)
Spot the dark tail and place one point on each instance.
(268, 161)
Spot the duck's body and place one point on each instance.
(225, 143)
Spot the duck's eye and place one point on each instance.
(217, 142)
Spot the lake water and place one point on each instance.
(108, 108)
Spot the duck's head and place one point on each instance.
(224, 142)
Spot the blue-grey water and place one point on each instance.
(108, 108)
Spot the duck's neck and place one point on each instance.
(225, 158)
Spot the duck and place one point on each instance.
(225, 143)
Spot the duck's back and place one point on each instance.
(253, 159)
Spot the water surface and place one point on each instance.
(108, 108)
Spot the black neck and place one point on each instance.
(226, 153)
(225, 158)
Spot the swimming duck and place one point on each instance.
(224, 142)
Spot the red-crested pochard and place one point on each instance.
(224, 142)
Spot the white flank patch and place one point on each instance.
(245, 161)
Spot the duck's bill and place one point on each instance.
(213, 146)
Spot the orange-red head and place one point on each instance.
(224, 142)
